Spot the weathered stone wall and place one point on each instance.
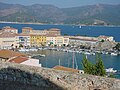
(20, 77)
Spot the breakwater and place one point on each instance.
(21, 77)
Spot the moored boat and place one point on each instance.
(110, 70)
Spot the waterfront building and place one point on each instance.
(105, 38)
(27, 30)
(7, 40)
(80, 40)
(57, 40)
(39, 32)
(37, 40)
(10, 29)
(23, 40)
(25, 61)
(54, 31)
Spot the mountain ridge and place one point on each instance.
(99, 14)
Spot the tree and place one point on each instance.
(94, 69)
(100, 70)
(87, 66)
(117, 47)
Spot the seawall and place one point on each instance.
(21, 77)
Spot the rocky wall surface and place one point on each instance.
(21, 77)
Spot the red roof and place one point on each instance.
(18, 59)
(7, 34)
(9, 54)
(65, 69)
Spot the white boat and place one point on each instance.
(114, 54)
(38, 55)
(110, 70)
(24, 50)
(80, 26)
(33, 49)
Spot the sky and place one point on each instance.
(62, 3)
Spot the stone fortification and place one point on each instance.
(20, 77)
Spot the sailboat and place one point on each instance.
(74, 62)
(80, 26)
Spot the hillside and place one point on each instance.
(100, 14)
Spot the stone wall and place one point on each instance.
(20, 77)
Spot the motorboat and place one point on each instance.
(110, 70)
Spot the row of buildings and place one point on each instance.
(9, 37)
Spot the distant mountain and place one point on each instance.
(100, 14)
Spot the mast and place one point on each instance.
(59, 62)
(73, 60)
(68, 63)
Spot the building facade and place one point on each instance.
(37, 40)
(57, 40)
(23, 40)
(54, 31)
(10, 29)
(83, 41)
(105, 38)
(27, 30)
(7, 40)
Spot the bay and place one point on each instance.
(52, 57)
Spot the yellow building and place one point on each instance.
(37, 40)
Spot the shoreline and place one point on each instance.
(59, 24)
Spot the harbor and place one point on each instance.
(53, 58)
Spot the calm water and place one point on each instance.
(52, 57)
(73, 30)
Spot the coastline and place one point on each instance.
(59, 24)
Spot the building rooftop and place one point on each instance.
(8, 28)
(18, 59)
(65, 69)
(85, 39)
(23, 34)
(102, 36)
(54, 29)
(51, 35)
(6, 54)
(27, 28)
(7, 34)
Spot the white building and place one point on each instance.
(80, 40)
(7, 40)
(10, 29)
(106, 38)
(26, 61)
(57, 40)
(23, 39)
